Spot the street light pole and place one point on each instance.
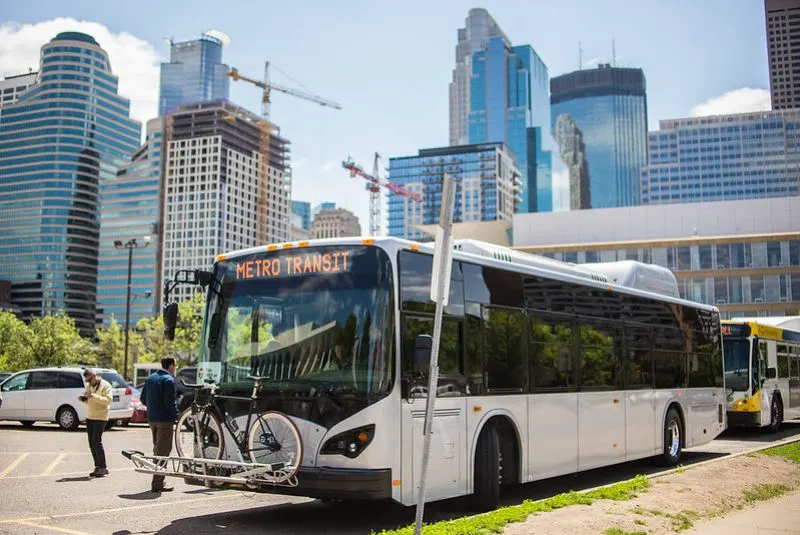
(130, 245)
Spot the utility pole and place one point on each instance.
(440, 291)
(130, 245)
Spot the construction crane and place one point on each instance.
(268, 86)
(374, 185)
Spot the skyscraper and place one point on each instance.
(509, 104)
(573, 154)
(61, 140)
(741, 156)
(335, 223)
(195, 73)
(130, 208)
(303, 210)
(609, 105)
(473, 37)
(783, 47)
(488, 186)
(224, 185)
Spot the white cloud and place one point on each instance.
(134, 60)
(742, 100)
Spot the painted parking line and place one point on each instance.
(52, 466)
(62, 474)
(53, 528)
(13, 465)
(119, 509)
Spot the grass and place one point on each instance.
(495, 521)
(788, 451)
(760, 493)
(618, 531)
(680, 521)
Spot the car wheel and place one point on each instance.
(67, 418)
(673, 444)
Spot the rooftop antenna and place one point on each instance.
(613, 51)
(580, 56)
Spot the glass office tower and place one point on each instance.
(130, 209)
(59, 142)
(195, 73)
(509, 104)
(724, 158)
(609, 105)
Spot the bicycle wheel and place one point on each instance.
(274, 439)
(202, 439)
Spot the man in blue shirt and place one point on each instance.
(158, 394)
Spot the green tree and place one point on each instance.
(54, 340)
(15, 354)
(111, 346)
(151, 344)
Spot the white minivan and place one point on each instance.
(51, 395)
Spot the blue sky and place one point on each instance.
(389, 63)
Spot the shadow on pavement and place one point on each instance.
(746, 434)
(73, 479)
(145, 495)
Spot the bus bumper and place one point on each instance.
(334, 483)
(744, 419)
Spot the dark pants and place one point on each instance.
(162, 445)
(94, 428)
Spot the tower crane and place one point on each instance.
(374, 185)
(268, 86)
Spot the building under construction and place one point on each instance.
(226, 184)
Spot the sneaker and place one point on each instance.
(102, 472)
(95, 472)
(162, 489)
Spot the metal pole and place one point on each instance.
(130, 246)
(440, 291)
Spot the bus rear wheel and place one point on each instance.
(673, 446)
(488, 470)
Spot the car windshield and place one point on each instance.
(114, 379)
(310, 320)
(737, 363)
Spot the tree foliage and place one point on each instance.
(14, 351)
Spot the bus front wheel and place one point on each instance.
(776, 414)
(673, 444)
(488, 470)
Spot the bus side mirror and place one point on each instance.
(422, 354)
(170, 320)
(772, 373)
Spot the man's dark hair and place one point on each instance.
(166, 362)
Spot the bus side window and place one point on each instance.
(451, 380)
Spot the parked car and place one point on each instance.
(5, 375)
(51, 395)
(139, 410)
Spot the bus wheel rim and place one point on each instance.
(676, 438)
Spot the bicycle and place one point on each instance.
(271, 439)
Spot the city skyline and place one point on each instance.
(418, 116)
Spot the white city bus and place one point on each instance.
(762, 370)
(546, 368)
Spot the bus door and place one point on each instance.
(759, 377)
(794, 376)
(447, 468)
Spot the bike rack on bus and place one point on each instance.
(251, 475)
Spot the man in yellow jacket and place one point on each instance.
(98, 397)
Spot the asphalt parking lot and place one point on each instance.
(45, 488)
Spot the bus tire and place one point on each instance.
(486, 492)
(775, 414)
(673, 442)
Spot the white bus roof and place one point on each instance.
(647, 280)
(791, 323)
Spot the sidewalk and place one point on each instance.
(773, 517)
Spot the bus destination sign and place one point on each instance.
(293, 265)
(735, 330)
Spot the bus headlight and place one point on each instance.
(350, 443)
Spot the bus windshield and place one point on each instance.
(313, 321)
(737, 363)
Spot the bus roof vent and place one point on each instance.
(505, 254)
(639, 275)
